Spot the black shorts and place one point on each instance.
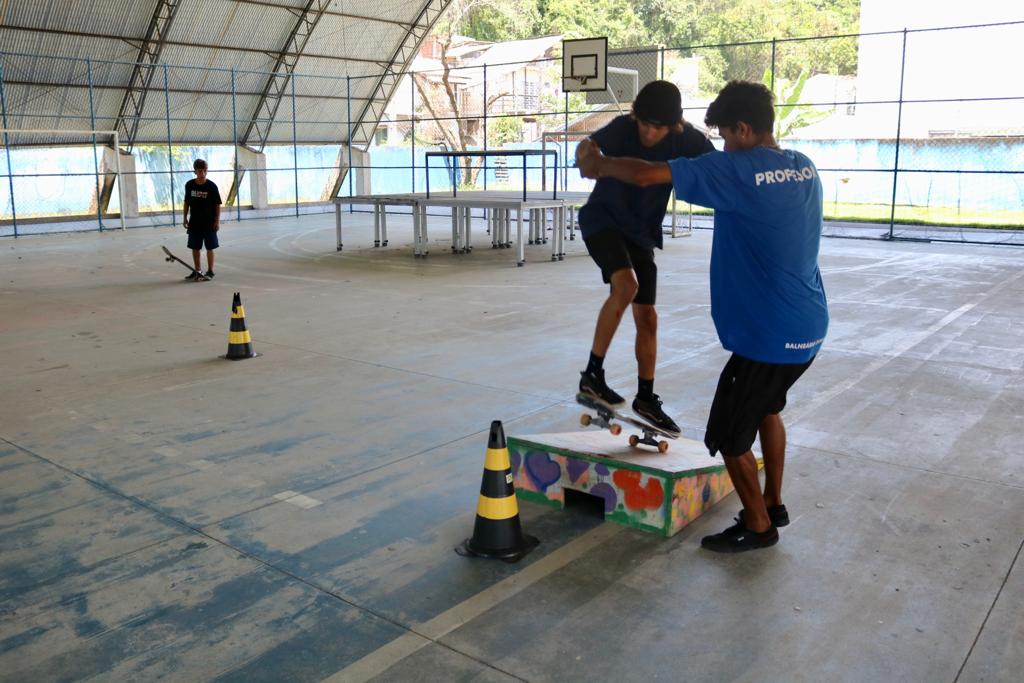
(198, 238)
(612, 252)
(748, 391)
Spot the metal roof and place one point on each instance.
(177, 68)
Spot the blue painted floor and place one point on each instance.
(166, 514)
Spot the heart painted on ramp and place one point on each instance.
(541, 470)
(576, 468)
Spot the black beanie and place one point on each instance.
(660, 103)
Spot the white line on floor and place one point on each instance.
(896, 352)
(297, 499)
(422, 635)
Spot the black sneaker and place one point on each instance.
(650, 410)
(209, 275)
(592, 384)
(779, 515)
(194, 275)
(738, 539)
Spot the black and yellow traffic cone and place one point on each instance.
(497, 532)
(239, 341)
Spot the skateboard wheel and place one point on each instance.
(663, 446)
(633, 440)
(615, 429)
(585, 420)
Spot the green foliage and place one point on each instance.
(503, 130)
(616, 19)
(500, 20)
(791, 116)
(689, 24)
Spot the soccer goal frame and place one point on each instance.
(63, 131)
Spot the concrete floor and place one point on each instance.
(151, 522)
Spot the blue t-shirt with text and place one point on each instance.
(767, 299)
(636, 211)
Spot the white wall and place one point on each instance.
(965, 63)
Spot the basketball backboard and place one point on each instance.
(584, 64)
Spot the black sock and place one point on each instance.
(595, 364)
(645, 388)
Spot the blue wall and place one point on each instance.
(860, 176)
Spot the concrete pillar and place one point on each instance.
(129, 186)
(361, 160)
(255, 163)
(337, 181)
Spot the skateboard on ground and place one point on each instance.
(608, 418)
(172, 257)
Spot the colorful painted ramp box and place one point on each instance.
(640, 488)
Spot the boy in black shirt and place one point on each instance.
(202, 218)
(621, 226)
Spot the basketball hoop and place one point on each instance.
(584, 64)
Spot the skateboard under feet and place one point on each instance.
(608, 418)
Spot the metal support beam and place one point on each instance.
(137, 43)
(384, 88)
(258, 130)
(128, 116)
(361, 133)
(343, 15)
(262, 119)
(127, 123)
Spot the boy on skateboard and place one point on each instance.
(767, 299)
(621, 226)
(202, 218)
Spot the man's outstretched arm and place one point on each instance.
(594, 164)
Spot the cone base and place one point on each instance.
(240, 357)
(466, 549)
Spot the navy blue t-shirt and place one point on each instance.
(636, 211)
(767, 299)
(203, 201)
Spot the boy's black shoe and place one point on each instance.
(194, 275)
(592, 384)
(738, 539)
(650, 410)
(209, 274)
(779, 515)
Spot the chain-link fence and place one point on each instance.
(916, 134)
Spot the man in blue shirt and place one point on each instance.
(621, 226)
(767, 299)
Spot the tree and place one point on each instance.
(503, 130)
(790, 115)
(500, 21)
(443, 101)
(616, 19)
(722, 25)
(740, 33)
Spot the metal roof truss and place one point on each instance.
(266, 110)
(142, 75)
(371, 114)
